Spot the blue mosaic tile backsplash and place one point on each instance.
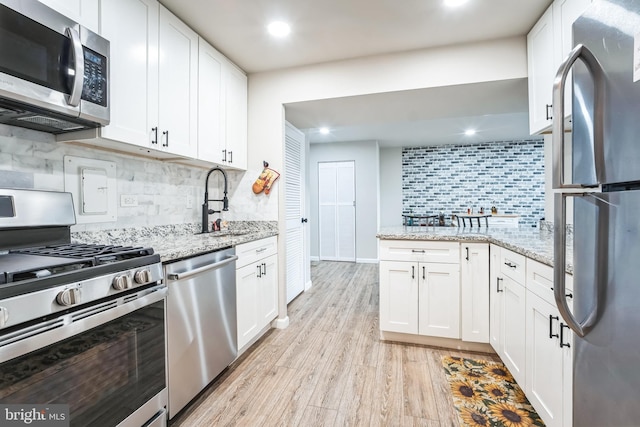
(451, 178)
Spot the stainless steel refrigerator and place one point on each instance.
(604, 183)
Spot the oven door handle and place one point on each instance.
(37, 336)
(189, 273)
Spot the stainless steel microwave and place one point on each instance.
(54, 73)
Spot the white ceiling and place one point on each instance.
(330, 30)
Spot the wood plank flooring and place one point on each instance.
(329, 368)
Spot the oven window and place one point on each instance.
(104, 374)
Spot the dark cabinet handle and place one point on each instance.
(259, 270)
(548, 107)
(155, 131)
(417, 251)
(562, 343)
(166, 143)
(551, 319)
(508, 264)
(304, 220)
(569, 295)
(413, 272)
(230, 156)
(264, 269)
(467, 248)
(498, 280)
(224, 155)
(424, 276)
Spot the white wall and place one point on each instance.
(365, 156)
(270, 91)
(390, 186)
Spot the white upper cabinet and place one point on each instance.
(548, 43)
(177, 86)
(84, 12)
(132, 28)
(541, 68)
(222, 109)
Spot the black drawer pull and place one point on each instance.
(508, 264)
(562, 343)
(551, 319)
(419, 251)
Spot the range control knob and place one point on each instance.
(4, 316)
(142, 276)
(68, 297)
(122, 282)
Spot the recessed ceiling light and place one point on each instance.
(454, 3)
(279, 29)
(324, 131)
(470, 132)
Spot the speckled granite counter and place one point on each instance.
(533, 243)
(175, 242)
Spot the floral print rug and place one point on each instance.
(485, 394)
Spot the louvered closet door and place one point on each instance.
(336, 204)
(294, 199)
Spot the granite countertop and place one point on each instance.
(176, 242)
(533, 243)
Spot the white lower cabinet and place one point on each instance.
(256, 288)
(514, 329)
(420, 288)
(474, 284)
(496, 292)
(549, 362)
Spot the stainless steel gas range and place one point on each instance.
(80, 325)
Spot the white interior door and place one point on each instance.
(337, 211)
(294, 156)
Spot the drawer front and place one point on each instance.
(251, 252)
(512, 265)
(540, 281)
(510, 222)
(420, 251)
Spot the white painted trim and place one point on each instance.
(281, 323)
(367, 260)
(313, 258)
(436, 342)
(308, 285)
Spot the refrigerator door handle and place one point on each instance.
(559, 267)
(557, 137)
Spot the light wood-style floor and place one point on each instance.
(329, 367)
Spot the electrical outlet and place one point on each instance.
(128, 200)
(189, 201)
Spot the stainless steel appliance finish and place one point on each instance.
(80, 324)
(605, 186)
(54, 73)
(202, 329)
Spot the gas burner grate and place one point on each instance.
(100, 253)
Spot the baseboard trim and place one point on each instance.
(308, 285)
(367, 260)
(314, 258)
(437, 342)
(281, 323)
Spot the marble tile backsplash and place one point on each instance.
(34, 160)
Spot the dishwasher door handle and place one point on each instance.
(189, 273)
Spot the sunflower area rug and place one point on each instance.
(485, 394)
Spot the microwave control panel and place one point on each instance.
(95, 78)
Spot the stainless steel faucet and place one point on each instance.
(205, 206)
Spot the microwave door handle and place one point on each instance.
(559, 268)
(78, 61)
(557, 134)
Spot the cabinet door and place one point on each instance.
(84, 12)
(132, 28)
(177, 86)
(544, 361)
(210, 103)
(474, 285)
(495, 300)
(247, 303)
(268, 291)
(439, 300)
(541, 66)
(399, 296)
(235, 117)
(514, 321)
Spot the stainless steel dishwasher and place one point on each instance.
(201, 323)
